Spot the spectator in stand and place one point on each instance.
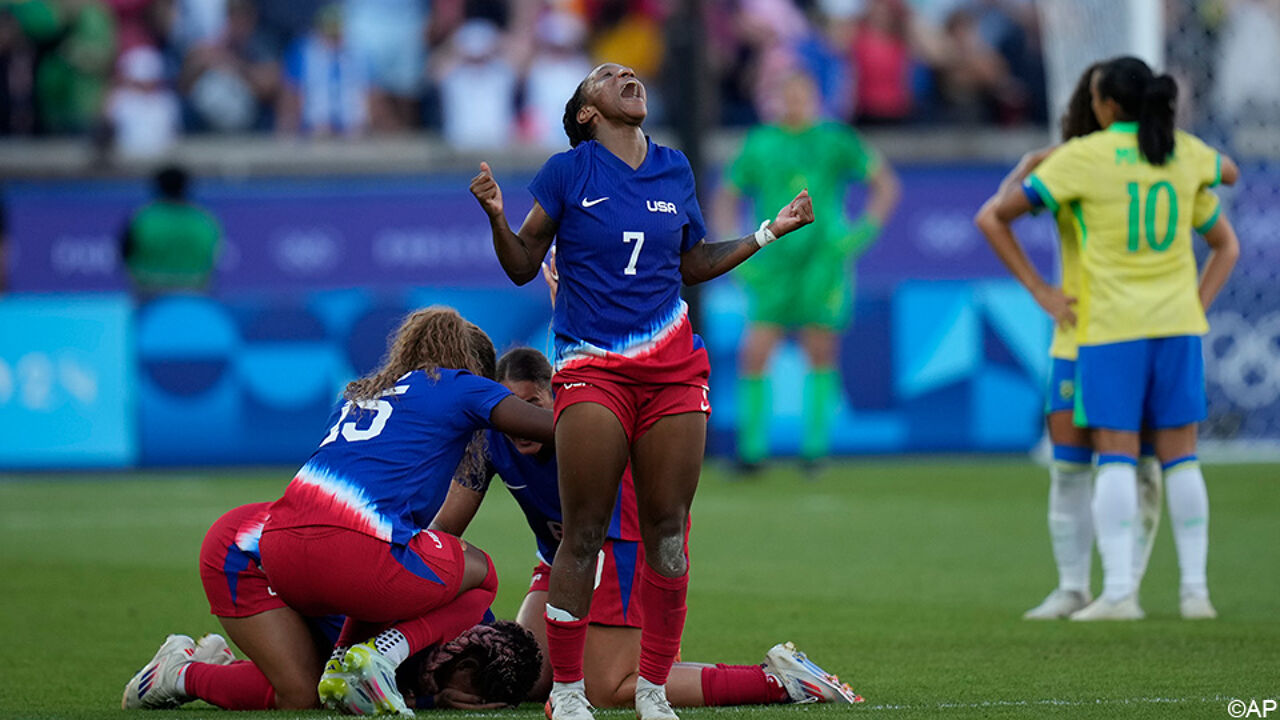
(17, 77)
(559, 63)
(477, 89)
(326, 88)
(389, 38)
(143, 112)
(171, 244)
(75, 67)
(974, 79)
(881, 55)
(232, 81)
(629, 33)
(286, 21)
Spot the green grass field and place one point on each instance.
(907, 578)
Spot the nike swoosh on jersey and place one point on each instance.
(588, 203)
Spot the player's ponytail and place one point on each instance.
(578, 132)
(1145, 98)
(1155, 120)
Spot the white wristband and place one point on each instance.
(764, 235)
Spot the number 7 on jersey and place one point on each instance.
(628, 237)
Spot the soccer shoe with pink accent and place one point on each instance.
(342, 691)
(804, 681)
(374, 675)
(213, 649)
(157, 686)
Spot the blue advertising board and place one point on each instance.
(66, 382)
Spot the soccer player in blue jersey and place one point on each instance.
(346, 537)
(487, 666)
(631, 376)
(1140, 313)
(528, 470)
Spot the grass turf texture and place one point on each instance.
(906, 578)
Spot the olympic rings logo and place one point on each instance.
(1243, 358)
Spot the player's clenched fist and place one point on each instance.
(797, 214)
(487, 192)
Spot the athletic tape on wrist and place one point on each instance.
(764, 235)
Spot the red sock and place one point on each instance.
(662, 600)
(448, 621)
(740, 685)
(566, 642)
(238, 686)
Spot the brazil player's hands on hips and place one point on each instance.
(797, 214)
(1058, 304)
(487, 192)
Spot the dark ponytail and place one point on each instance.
(1145, 98)
(1155, 120)
(578, 132)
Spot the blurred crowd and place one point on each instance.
(137, 74)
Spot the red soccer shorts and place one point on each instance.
(322, 570)
(616, 597)
(233, 581)
(640, 391)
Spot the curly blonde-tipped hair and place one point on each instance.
(427, 340)
(430, 339)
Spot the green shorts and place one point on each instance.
(817, 295)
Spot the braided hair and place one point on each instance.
(506, 657)
(578, 132)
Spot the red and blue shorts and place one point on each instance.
(616, 597)
(671, 380)
(233, 580)
(322, 570)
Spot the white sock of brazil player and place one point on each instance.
(1189, 515)
(1070, 517)
(1115, 510)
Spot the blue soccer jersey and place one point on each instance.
(620, 234)
(533, 483)
(385, 466)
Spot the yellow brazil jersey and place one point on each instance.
(1203, 216)
(1133, 220)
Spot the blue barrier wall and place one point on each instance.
(944, 354)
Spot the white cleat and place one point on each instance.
(156, 685)
(1104, 609)
(374, 675)
(1197, 607)
(213, 649)
(568, 701)
(1058, 604)
(804, 681)
(342, 691)
(651, 702)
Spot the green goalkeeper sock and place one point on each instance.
(820, 388)
(754, 395)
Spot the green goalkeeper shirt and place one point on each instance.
(172, 246)
(776, 163)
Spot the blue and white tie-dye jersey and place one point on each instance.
(384, 468)
(533, 482)
(620, 235)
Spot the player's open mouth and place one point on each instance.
(631, 89)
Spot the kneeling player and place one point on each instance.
(485, 667)
(612, 653)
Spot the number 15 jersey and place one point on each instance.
(620, 234)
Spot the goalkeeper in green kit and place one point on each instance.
(804, 285)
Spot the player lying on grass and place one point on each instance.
(611, 658)
(1071, 474)
(485, 667)
(1141, 311)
